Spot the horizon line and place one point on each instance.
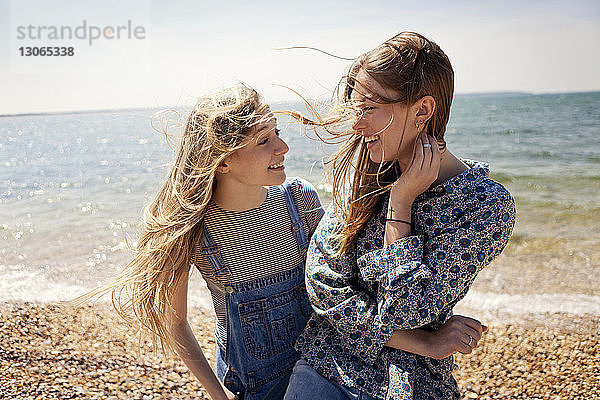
(133, 108)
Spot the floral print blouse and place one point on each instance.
(362, 297)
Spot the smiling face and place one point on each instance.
(387, 129)
(260, 162)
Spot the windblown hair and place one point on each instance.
(218, 125)
(412, 66)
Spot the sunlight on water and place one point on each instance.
(72, 185)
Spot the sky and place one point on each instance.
(191, 47)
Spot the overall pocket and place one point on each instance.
(272, 324)
(255, 329)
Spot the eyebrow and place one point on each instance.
(263, 131)
(269, 127)
(362, 97)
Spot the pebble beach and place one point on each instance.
(57, 351)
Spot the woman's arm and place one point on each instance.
(418, 289)
(458, 334)
(334, 294)
(331, 286)
(413, 294)
(189, 350)
(420, 174)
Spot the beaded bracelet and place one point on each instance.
(398, 220)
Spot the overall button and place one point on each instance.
(228, 289)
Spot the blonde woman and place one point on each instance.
(227, 209)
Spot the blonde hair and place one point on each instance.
(218, 125)
(410, 65)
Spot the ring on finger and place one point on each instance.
(470, 340)
(426, 145)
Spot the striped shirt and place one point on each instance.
(256, 243)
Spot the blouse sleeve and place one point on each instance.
(334, 295)
(415, 294)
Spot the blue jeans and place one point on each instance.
(306, 383)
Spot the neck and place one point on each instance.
(450, 166)
(235, 196)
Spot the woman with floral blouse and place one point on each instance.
(419, 225)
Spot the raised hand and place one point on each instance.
(420, 174)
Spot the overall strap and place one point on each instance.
(212, 252)
(297, 223)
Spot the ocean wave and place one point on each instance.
(35, 287)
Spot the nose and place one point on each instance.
(281, 148)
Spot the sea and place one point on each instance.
(73, 187)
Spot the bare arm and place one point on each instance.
(458, 334)
(190, 351)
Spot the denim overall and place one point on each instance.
(264, 318)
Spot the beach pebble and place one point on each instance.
(89, 353)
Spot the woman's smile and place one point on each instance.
(371, 141)
(277, 167)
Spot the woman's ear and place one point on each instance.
(425, 109)
(223, 168)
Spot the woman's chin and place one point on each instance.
(282, 179)
(376, 158)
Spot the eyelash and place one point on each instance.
(266, 139)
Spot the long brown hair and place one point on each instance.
(412, 66)
(218, 125)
